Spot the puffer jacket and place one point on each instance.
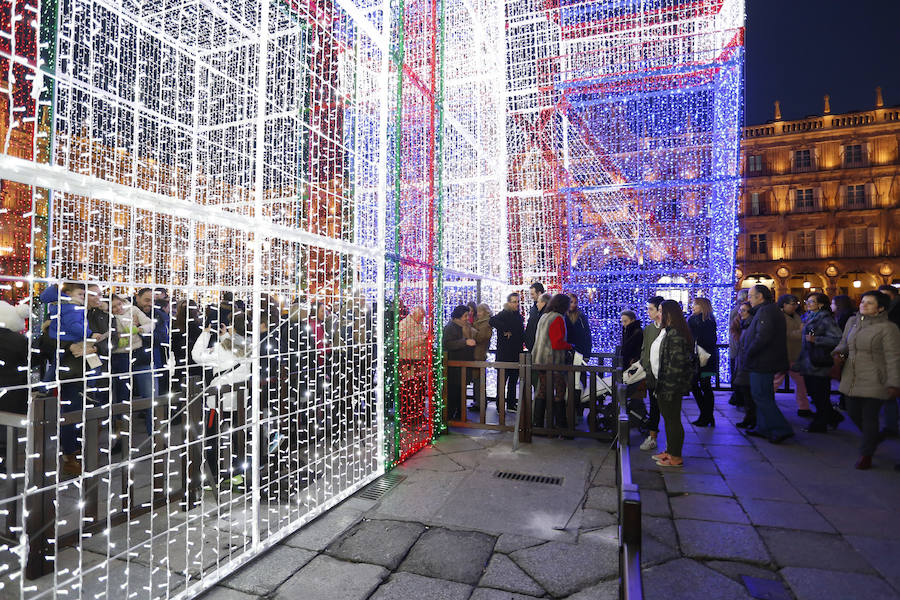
(676, 366)
(827, 334)
(871, 346)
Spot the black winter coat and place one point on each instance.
(534, 316)
(766, 348)
(13, 354)
(98, 322)
(510, 328)
(579, 333)
(632, 341)
(704, 333)
(455, 343)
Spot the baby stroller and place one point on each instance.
(607, 417)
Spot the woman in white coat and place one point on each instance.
(227, 393)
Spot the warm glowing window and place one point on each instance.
(853, 155)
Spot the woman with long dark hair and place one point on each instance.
(842, 308)
(670, 376)
(550, 348)
(702, 324)
(820, 336)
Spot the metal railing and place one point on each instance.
(631, 586)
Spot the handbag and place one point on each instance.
(702, 355)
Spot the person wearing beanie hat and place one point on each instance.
(14, 357)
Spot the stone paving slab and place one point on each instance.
(267, 572)
(377, 542)
(787, 515)
(608, 590)
(492, 594)
(503, 574)
(603, 498)
(712, 540)
(509, 542)
(771, 487)
(655, 502)
(708, 508)
(865, 521)
(585, 565)
(677, 483)
(735, 570)
(882, 554)
(817, 584)
(327, 578)
(224, 593)
(405, 586)
(684, 578)
(453, 555)
(814, 550)
(322, 531)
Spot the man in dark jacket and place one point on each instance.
(764, 355)
(534, 315)
(458, 347)
(510, 336)
(14, 350)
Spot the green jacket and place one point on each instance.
(676, 367)
(651, 332)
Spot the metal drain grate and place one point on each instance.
(529, 478)
(378, 488)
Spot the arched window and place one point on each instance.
(677, 291)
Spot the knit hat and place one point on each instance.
(13, 317)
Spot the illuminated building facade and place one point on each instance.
(820, 202)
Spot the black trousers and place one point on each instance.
(864, 412)
(512, 384)
(701, 388)
(454, 393)
(819, 390)
(653, 417)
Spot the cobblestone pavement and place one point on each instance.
(452, 529)
(796, 514)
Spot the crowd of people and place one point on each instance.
(770, 341)
(555, 330)
(99, 350)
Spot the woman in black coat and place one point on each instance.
(632, 338)
(703, 328)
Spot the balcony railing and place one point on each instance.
(801, 252)
(747, 256)
(857, 202)
(807, 206)
(857, 251)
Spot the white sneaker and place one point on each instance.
(649, 443)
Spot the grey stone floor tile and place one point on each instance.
(603, 498)
(654, 552)
(696, 484)
(713, 540)
(377, 542)
(590, 518)
(700, 466)
(265, 573)
(786, 515)
(790, 548)
(509, 542)
(816, 584)
(685, 578)
(327, 578)
(492, 594)
(648, 480)
(586, 564)
(693, 451)
(881, 554)
(224, 593)
(708, 508)
(871, 522)
(735, 569)
(655, 502)
(453, 555)
(405, 586)
(322, 531)
(662, 529)
(503, 574)
(744, 468)
(773, 487)
(839, 493)
(607, 590)
(735, 453)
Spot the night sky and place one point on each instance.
(799, 50)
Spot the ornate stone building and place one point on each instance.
(820, 204)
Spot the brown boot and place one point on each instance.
(71, 465)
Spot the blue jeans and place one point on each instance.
(769, 420)
(141, 383)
